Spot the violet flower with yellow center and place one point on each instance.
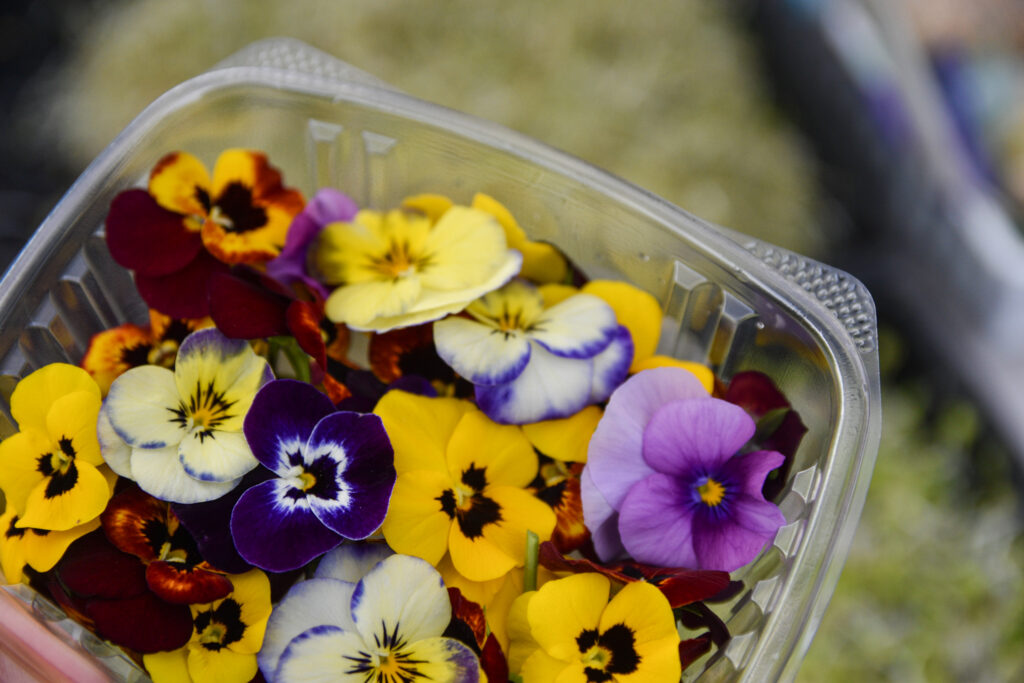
(530, 363)
(184, 427)
(460, 487)
(226, 637)
(51, 471)
(568, 631)
(666, 479)
(399, 268)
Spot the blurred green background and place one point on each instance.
(670, 96)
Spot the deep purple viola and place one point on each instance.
(334, 474)
(666, 480)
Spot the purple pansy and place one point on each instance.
(665, 481)
(335, 471)
(327, 206)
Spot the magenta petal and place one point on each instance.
(656, 526)
(729, 543)
(280, 420)
(368, 473)
(147, 238)
(183, 293)
(695, 434)
(243, 310)
(276, 531)
(615, 457)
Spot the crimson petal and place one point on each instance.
(144, 623)
(243, 310)
(183, 293)
(147, 238)
(303, 319)
(182, 585)
(692, 649)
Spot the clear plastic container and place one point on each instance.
(730, 301)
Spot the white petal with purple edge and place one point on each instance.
(321, 654)
(352, 561)
(611, 366)
(316, 602)
(404, 592)
(159, 473)
(615, 455)
(695, 435)
(116, 453)
(578, 327)
(480, 353)
(214, 455)
(655, 525)
(275, 531)
(141, 405)
(549, 387)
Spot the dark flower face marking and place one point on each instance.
(219, 627)
(207, 408)
(59, 467)
(235, 211)
(467, 504)
(609, 653)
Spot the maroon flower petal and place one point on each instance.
(493, 661)
(146, 237)
(144, 623)
(692, 649)
(304, 324)
(754, 392)
(127, 523)
(243, 310)
(93, 568)
(183, 293)
(183, 585)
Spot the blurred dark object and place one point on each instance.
(933, 235)
(34, 35)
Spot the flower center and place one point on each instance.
(711, 492)
(207, 410)
(397, 261)
(466, 503)
(212, 634)
(217, 628)
(605, 654)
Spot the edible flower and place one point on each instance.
(226, 635)
(399, 268)
(386, 627)
(334, 475)
(461, 486)
(184, 427)
(568, 631)
(665, 467)
(37, 548)
(51, 470)
(530, 363)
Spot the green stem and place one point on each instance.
(532, 552)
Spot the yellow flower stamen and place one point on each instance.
(711, 492)
(213, 634)
(596, 657)
(306, 481)
(398, 261)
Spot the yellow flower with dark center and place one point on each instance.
(51, 471)
(226, 636)
(568, 631)
(460, 487)
(37, 548)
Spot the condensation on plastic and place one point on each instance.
(730, 301)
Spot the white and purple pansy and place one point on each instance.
(530, 363)
(386, 627)
(178, 433)
(334, 474)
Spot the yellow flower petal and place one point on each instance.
(521, 643)
(73, 418)
(542, 262)
(53, 506)
(479, 558)
(44, 550)
(419, 428)
(19, 465)
(358, 305)
(521, 512)
(561, 610)
(415, 523)
(466, 247)
(220, 666)
(645, 611)
(565, 439)
(432, 206)
(177, 183)
(218, 369)
(637, 310)
(251, 591)
(702, 372)
(240, 166)
(12, 547)
(502, 449)
(168, 667)
(555, 294)
(33, 396)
